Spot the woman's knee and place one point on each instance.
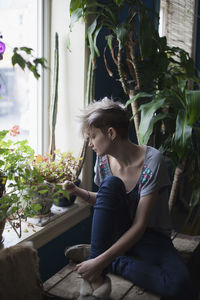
(111, 191)
(113, 183)
(179, 287)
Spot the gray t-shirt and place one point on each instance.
(154, 176)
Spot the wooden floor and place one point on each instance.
(66, 284)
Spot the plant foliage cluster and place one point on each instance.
(161, 81)
(32, 182)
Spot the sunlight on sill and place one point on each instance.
(58, 224)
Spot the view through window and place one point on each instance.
(18, 88)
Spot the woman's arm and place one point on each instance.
(91, 269)
(72, 189)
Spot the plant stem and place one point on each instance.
(18, 233)
(175, 185)
(54, 103)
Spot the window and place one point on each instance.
(19, 103)
(25, 101)
(177, 19)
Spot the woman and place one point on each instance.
(131, 224)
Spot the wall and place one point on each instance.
(51, 256)
(71, 82)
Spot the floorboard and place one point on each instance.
(66, 284)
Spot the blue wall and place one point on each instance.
(51, 256)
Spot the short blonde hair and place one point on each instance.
(104, 114)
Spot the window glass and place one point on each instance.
(18, 94)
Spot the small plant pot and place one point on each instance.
(63, 201)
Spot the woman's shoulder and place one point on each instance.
(154, 159)
(153, 153)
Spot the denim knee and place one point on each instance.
(112, 192)
(179, 287)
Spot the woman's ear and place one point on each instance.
(112, 133)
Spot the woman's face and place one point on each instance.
(98, 141)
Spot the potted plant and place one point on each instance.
(14, 158)
(54, 169)
(172, 116)
(37, 191)
(157, 79)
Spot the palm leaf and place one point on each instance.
(148, 111)
(182, 135)
(193, 104)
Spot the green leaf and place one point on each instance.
(75, 16)
(148, 111)
(119, 2)
(42, 192)
(74, 4)
(3, 134)
(183, 134)
(68, 44)
(26, 49)
(144, 139)
(138, 96)
(95, 40)
(122, 32)
(18, 59)
(193, 106)
(109, 39)
(91, 30)
(41, 61)
(33, 69)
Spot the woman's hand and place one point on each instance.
(69, 186)
(90, 269)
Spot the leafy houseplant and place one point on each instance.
(55, 169)
(173, 115)
(157, 78)
(29, 184)
(138, 55)
(14, 157)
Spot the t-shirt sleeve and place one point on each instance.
(154, 175)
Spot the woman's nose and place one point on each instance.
(90, 143)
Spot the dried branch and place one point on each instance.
(106, 63)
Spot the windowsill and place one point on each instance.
(42, 235)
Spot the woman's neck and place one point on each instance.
(127, 153)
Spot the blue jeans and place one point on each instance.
(152, 263)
